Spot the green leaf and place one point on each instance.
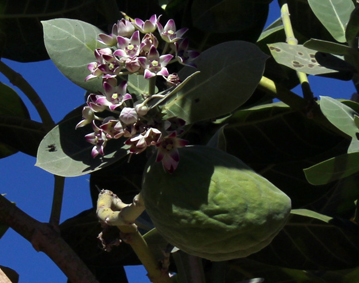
(255, 135)
(354, 146)
(298, 57)
(21, 134)
(327, 46)
(218, 140)
(11, 108)
(70, 45)
(313, 241)
(352, 30)
(138, 86)
(64, 151)
(229, 74)
(334, 15)
(340, 115)
(225, 15)
(333, 169)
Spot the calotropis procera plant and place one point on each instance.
(171, 121)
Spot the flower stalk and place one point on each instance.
(112, 211)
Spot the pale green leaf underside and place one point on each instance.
(70, 45)
(298, 58)
(334, 15)
(229, 74)
(64, 151)
(339, 115)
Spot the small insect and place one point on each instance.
(51, 148)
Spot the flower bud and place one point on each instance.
(128, 115)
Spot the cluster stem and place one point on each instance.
(112, 211)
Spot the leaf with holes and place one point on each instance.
(334, 15)
(298, 58)
(70, 45)
(229, 74)
(64, 151)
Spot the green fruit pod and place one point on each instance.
(213, 206)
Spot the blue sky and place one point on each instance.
(31, 187)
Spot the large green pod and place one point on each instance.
(213, 205)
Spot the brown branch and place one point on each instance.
(46, 239)
(3, 277)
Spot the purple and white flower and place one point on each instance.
(154, 64)
(169, 33)
(146, 26)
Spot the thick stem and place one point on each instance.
(140, 247)
(3, 277)
(17, 80)
(44, 238)
(112, 211)
(189, 268)
(291, 40)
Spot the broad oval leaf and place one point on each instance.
(313, 241)
(229, 74)
(352, 29)
(333, 169)
(255, 135)
(11, 107)
(70, 45)
(334, 15)
(65, 152)
(21, 134)
(340, 115)
(226, 15)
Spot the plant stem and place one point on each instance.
(112, 211)
(189, 268)
(151, 86)
(297, 103)
(44, 238)
(291, 40)
(57, 200)
(17, 80)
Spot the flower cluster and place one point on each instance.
(132, 48)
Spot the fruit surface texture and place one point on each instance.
(214, 206)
